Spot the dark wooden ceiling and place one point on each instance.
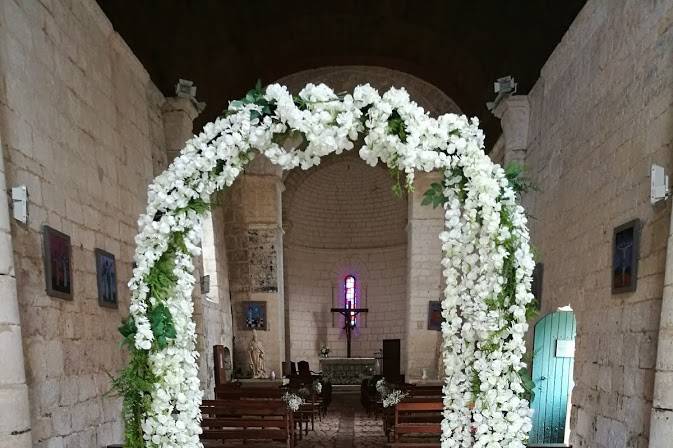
(461, 46)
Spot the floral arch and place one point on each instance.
(487, 263)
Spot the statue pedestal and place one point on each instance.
(347, 370)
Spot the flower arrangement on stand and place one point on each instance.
(390, 395)
(487, 263)
(324, 351)
(293, 401)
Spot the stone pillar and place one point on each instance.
(15, 429)
(514, 114)
(424, 278)
(661, 421)
(254, 242)
(179, 114)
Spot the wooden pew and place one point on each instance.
(234, 391)
(418, 418)
(417, 394)
(246, 420)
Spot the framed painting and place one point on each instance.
(625, 247)
(254, 315)
(57, 263)
(106, 279)
(435, 315)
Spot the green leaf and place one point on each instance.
(514, 172)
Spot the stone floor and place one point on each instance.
(346, 426)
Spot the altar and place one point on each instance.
(347, 370)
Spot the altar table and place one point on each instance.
(347, 370)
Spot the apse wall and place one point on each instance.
(342, 218)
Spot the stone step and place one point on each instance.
(345, 389)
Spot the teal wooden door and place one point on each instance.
(553, 360)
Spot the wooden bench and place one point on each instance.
(246, 420)
(389, 413)
(418, 419)
(234, 391)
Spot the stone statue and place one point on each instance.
(256, 354)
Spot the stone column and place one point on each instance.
(179, 114)
(514, 114)
(254, 242)
(424, 278)
(661, 421)
(15, 429)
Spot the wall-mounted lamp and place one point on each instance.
(504, 87)
(658, 184)
(20, 203)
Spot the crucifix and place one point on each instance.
(350, 319)
(350, 311)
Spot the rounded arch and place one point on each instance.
(344, 78)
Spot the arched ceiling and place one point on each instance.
(460, 46)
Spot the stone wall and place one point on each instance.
(342, 218)
(254, 241)
(82, 129)
(601, 114)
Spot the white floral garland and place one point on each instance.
(483, 337)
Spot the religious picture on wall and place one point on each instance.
(254, 314)
(106, 277)
(625, 257)
(57, 263)
(435, 315)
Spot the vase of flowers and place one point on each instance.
(324, 351)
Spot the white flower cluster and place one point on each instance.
(394, 398)
(485, 313)
(293, 401)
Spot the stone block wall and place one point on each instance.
(424, 279)
(342, 218)
(254, 241)
(601, 114)
(81, 128)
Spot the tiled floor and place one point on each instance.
(346, 426)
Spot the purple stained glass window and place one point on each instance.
(351, 300)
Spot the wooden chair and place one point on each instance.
(246, 420)
(421, 419)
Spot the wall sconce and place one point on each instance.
(658, 184)
(20, 203)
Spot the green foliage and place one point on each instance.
(397, 127)
(434, 195)
(135, 384)
(128, 331)
(161, 277)
(475, 385)
(254, 96)
(162, 325)
(197, 204)
(527, 383)
(514, 172)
